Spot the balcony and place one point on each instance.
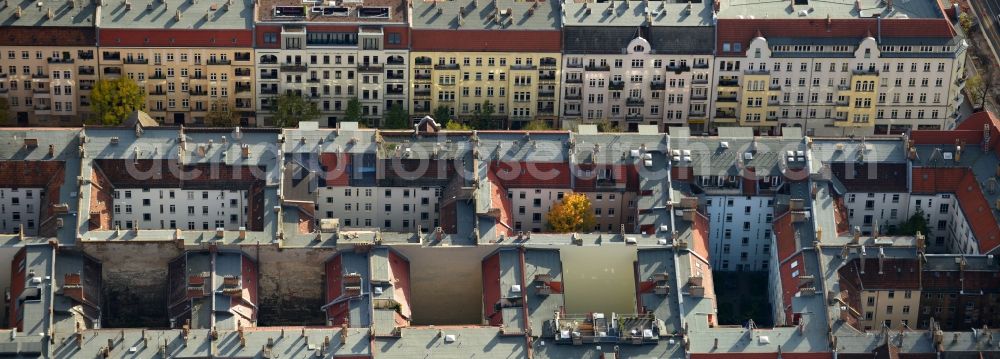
(574, 65)
(699, 81)
(727, 99)
(700, 113)
(774, 87)
(574, 97)
(549, 63)
(843, 87)
(703, 65)
(701, 97)
(111, 56)
(267, 76)
(729, 82)
(633, 117)
(616, 85)
(546, 94)
(634, 101)
(598, 68)
(158, 76)
(242, 72)
(136, 61)
(86, 70)
(422, 93)
(658, 85)
(265, 60)
(242, 88)
(869, 71)
(370, 68)
(196, 92)
(53, 60)
(394, 76)
(757, 72)
(197, 76)
(422, 61)
(679, 68)
(40, 91)
(85, 55)
(547, 78)
(86, 86)
(269, 91)
(773, 102)
(546, 110)
(158, 92)
(523, 67)
(394, 91)
(243, 57)
(574, 80)
(422, 77)
(314, 80)
(446, 67)
(393, 61)
(294, 67)
(725, 115)
(215, 62)
(112, 70)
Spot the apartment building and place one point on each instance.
(189, 58)
(634, 63)
(466, 53)
(47, 62)
(959, 291)
(836, 69)
(887, 289)
(332, 54)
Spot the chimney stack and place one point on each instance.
(881, 261)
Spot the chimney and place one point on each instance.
(888, 5)
(857, 235)
(52, 150)
(49, 15)
(177, 15)
(861, 253)
(17, 12)
(881, 261)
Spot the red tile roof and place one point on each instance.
(522, 174)
(963, 183)
(871, 177)
(47, 35)
(176, 38)
(897, 274)
(336, 169)
(970, 130)
(487, 40)
(788, 271)
(784, 231)
(744, 30)
(699, 235)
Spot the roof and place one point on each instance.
(895, 274)
(632, 13)
(361, 12)
(486, 15)
(615, 39)
(35, 17)
(163, 15)
(742, 31)
(486, 40)
(430, 343)
(836, 9)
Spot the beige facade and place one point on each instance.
(183, 84)
(892, 308)
(47, 86)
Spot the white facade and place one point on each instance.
(20, 206)
(949, 230)
(740, 231)
(811, 86)
(396, 209)
(332, 68)
(864, 210)
(180, 208)
(639, 87)
(530, 206)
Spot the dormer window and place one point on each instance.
(638, 48)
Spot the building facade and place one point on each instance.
(333, 55)
(189, 61)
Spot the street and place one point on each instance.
(988, 11)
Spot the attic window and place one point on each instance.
(374, 12)
(638, 48)
(289, 11)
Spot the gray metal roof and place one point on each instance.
(157, 14)
(79, 13)
(430, 343)
(541, 307)
(614, 40)
(633, 13)
(821, 9)
(429, 14)
(664, 307)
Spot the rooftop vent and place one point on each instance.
(30, 142)
(373, 12)
(289, 11)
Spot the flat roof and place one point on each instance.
(822, 9)
(486, 15)
(346, 12)
(161, 14)
(633, 13)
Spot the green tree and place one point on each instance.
(397, 118)
(572, 214)
(353, 113)
(4, 111)
(442, 115)
(607, 126)
(457, 126)
(221, 115)
(483, 117)
(966, 21)
(916, 223)
(114, 100)
(292, 108)
(537, 125)
(980, 86)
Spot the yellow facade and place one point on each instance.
(755, 104)
(520, 86)
(183, 84)
(856, 103)
(727, 99)
(48, 85)
(898, 307)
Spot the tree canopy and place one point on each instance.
(221, 115)
(113, 101)
(353, 113)
(457, 126)
(293, 108)
(442, 115)
(572, 214)
(397, 118)
(4, 111)
(537, 125)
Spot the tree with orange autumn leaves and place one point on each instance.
(573, 214)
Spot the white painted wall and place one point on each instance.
(20, 206)
(396, 209)
(748, 246)
(178, 208)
